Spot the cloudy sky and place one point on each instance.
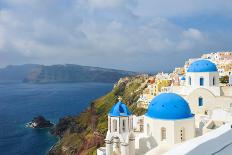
(138, 35)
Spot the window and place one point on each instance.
(148, 129)
(182, 135)
(200, 101)
(201, 81)
(163, 134)
(190, 80)
(213, 81)
(123, 125)
(115, 125)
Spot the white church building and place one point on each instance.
(169, 120)
(202, 89)
(120, 137)
(188, 117)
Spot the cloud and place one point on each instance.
(182, 8)
(125, 34)
(105, 3)
(191, 38)
(1, 41)
(193, 34)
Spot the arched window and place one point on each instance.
(115, 125)
(213, 81)
(123, 125)
(163, 133)
(201, 81)
(190, 81)
(200, 101)
(148, 129)
(182, 135)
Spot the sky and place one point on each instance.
(136, 35)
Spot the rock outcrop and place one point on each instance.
(40, 122)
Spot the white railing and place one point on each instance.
(206, 144)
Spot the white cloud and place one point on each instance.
(21, 2)
(2, 41)
(105, 3)
(193, 34)
(102, 32)
(192, 39)
(182, 8)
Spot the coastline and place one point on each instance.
(48, 151)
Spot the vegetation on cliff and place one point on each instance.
(83, 134)
(224, 79)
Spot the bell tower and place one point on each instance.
(120, 138)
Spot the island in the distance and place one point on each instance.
(31, 73)
(39, 122)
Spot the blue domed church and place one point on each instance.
(202, 88)
(203, 74)
(169, 119)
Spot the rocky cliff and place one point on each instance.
(74, 73)
(83, 134)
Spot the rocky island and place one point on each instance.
(39, 122)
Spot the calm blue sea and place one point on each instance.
(20, 102)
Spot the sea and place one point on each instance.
(20, 102)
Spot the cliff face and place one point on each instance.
(74, 73)
(83, 134)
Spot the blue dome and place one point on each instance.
(202, 66)
(119, 109)
(183, 78)
(169, 106)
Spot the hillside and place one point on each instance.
(83, 134)
(74, 73)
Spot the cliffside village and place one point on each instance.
(189, 111)
(163, 82)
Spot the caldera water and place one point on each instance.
(20, 102)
